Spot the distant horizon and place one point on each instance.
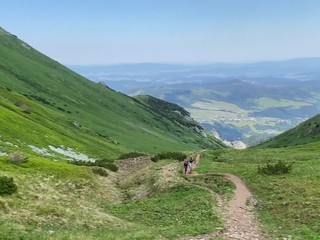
(194, 63)
(113, 32)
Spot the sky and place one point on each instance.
(89, 32)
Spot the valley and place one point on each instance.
(247, 102)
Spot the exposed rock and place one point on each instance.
(69, 152)
(237, 144)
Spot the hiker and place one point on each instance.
(185, 165)
(190, 164)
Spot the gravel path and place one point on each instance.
(237, 214)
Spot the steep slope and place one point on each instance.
(306, 132)
(176, 114)
(115, 118)
(31, 128)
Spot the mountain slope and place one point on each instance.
(114, 117)
(304, 133)
(176, 114)
(31, 128)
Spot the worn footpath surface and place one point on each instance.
(238, 215)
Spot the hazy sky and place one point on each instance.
(117, 31)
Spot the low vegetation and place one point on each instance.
(7, 186)
(182, 210)
(100, 171)
(17, 157)
(169, 155)
(98, 163)
(278, 168)
(216, 183)
(131, 155)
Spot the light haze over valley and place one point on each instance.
(204, 50)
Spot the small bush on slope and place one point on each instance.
(7, 186)
(275, 169)
(100, 171)
(169, 155)
(99, 163)
(131, 155)
(17, 157)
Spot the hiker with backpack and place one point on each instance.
(185, 165)
(190, 165)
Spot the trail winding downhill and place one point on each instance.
(238, 214)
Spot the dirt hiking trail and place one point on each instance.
(238, 214)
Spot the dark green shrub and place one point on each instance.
(112, 167)
(108, 165)
(81, 163)
(99, 163)
(217, 156)
(169, 155)
(131, 155)
(278, 168)
(100, 171)
(7, 186)
(24, 107)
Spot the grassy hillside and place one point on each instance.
(109, 116)
(306, 132)
(28, 127)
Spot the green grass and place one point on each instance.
(287, 204)
(181, 211)
(38, 165)
(215, 183)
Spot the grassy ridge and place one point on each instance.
(306, 132)
(287, 204)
